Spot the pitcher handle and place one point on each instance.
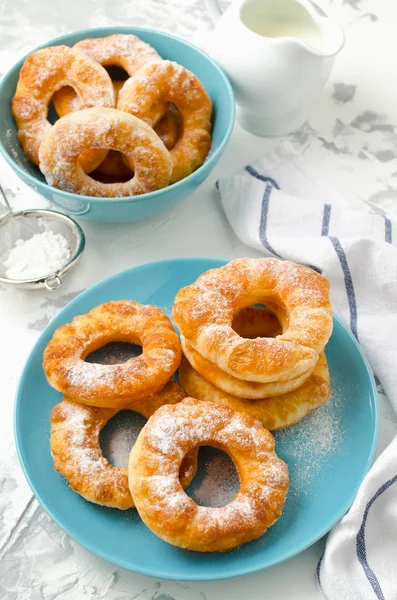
(214, 10)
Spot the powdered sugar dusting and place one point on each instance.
(105, 129)
(88, 375)
(219, 482)
(83, 458)
(175, 430)
(119, 435)
(163, 433)
(313, 441)
(126, 51)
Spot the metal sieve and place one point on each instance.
(26, 223)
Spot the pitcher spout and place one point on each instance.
(332, 37)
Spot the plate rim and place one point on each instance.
(159, 573)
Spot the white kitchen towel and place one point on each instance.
(277, 206)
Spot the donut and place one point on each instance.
(167, 81)
(238, 387)
(249, 321)
(65, 101)
(119, 50)
(114, 167)
(43, 73)
(113, 386)
(153, 474)
(104, 128)
(204, 311)
(274, 413)
(168, 128)
(77, 454)
(125, 51)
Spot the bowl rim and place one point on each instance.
(109, 29)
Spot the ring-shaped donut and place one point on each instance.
(42, 74)
(66, 101)
(126, 51)
(250, 322)
(153, 473)
(119, 50)
(169, 126)
(113, 386)
(104, 128)
(204, 313)
(238, 387)
(167, 81)
(274, 413)
(77, 454)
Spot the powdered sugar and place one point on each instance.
(111, 129)
(126, 51)
(204, 310)
(194, 424)
(88, 375)
(83, 457)
(40, 255)
(121, 439)
(219, 482)
(312, 442)
(163, 434)
(11, 147)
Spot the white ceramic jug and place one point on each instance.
(278, 54)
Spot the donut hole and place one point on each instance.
(216, 482)
(119, 435)
(113, 173)
(255, 321)
(116, 73)
(114, 353)
(52, 115)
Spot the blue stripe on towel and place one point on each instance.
(263, 221)
(388, 231)
(348, 283)
(360, 541)
(263, 225)
(257, 175)
(351, 296)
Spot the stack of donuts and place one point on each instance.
(113, 138)
(247, 369)
(94, 393)
(266, 361)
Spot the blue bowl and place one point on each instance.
(133, 208)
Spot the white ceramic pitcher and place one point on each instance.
(278, 54)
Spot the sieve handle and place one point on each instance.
(4, 202)
(52, 283)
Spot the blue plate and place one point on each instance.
(328, 453)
